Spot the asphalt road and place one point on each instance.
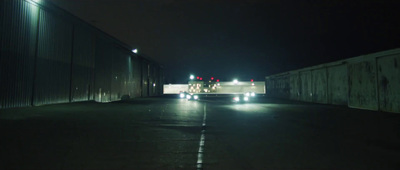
(214, 133)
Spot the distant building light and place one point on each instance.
(135, 51)
(191, 77)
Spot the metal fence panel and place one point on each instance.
(19, 21)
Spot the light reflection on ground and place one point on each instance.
(254, 107)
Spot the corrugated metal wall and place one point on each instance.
(103, 67)
(152, 72)
(82, 86)
(49, 56)
(17, 56)
(53, 63)
(145, 78)
(122, 75)
(137, 73)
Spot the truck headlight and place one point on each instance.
(195, 97)
(246, 98)
(188, 96)
(253, 94)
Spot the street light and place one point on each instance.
(191, 77)
(135, 51)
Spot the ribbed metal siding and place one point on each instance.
(119, 69)
(137, 72)
(152, 88)
(161, 78)
(83, 65)
(157, 77)
(128, 81)
(145, 78)
(103, 68)
(19, 21)
(52, 82)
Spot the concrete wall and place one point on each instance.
(338, 84)
(240, 88)
(369, 82)
(223, 88)
(175, 88)
(389, 83)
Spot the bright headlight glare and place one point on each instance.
(236, 99)
(247, 94)
(246, 99)
(182, 95)
(188, 96)
(253, 94)
(196, 97)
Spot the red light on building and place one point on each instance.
(251, 80)
(212, 78)
(198, 77)
(217, 80)
(201, 78)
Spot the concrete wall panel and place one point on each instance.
(338, 85)
(366, 82)
(306, 86)
(319, 86)
(295, 86)
(389, 83)
(175, 88)
(362, 85)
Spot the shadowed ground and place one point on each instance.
(164, 133)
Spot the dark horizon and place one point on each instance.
(242, 39)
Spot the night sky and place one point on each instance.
(246, 39)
